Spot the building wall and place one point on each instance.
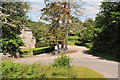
(28, 38)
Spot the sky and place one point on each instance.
(91, 8)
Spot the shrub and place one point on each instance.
(17, 70)
(88, 45)
(41, 44)
(79, 43)
(14, 71)
(62, 61)
(71, 38)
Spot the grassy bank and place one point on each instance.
(17, 70)
(106, 56)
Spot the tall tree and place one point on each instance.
(59, 12)
(108, 19)
(13, 18)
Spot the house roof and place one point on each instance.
(26, 29)
(33, 37)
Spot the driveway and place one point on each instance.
(105, 67)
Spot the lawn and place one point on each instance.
(17, 70)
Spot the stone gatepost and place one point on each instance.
(31, 53)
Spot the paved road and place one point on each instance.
(107, 68)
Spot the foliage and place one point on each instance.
(12, 70)
(70, 38)
(79, 43)
(39, 29)
(8, 44)
(59, 15)
(13, 13)
(108, 19)
(75, 27)
(89, 32)
(43, 50)
(52, 13)
(38, 50)
(62, 61)
(13, 17)
(41, 44)
(89, 45)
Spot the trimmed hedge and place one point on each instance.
(43, 50)
(38, 50)
(41, 44)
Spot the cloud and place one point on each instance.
(35, 11)
(91, 9)
(36, 6)
(92, 0)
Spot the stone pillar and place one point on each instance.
(31, 53)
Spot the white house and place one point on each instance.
(28, 38)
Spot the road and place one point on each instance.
(105, 67)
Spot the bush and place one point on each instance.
(62, 61)
(13, 71)
(17, 70)
(41, 44)
(72, 38)
(88, 45)
(79, 43)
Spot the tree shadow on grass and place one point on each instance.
(102, 56)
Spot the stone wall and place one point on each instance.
(28, 38)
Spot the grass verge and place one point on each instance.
(108, 57)
(17, 70)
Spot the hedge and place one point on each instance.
(43, 50)
(41, 44)
(38, 50)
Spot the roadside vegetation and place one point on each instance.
(100, 36)
(61, 68)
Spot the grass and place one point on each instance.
(83, 72)
(17, 70)
(105, 56)
(71, 43)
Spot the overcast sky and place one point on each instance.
(91, 9)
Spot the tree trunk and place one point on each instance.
(13, 54)
(66, 44)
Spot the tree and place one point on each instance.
(108, 19)
(89, 32)
(76, 26)
(56, 12)
(13, 18)
(39, 29)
